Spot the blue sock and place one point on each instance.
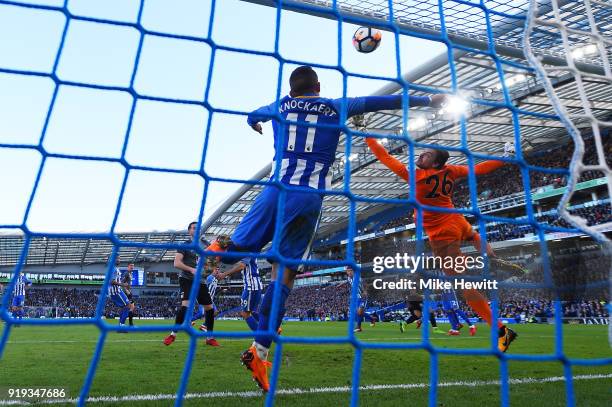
(265, 310)
(198, 314)
(124, 314)
(463, 316)
(252, 322)
(452, 318)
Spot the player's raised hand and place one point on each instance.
(438, 100)
(509, 149)
(257, 127)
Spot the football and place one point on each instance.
(366, 39)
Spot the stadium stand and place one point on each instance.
(317, 302)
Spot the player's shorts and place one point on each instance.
(415, 306)
(18, 301)
(362, 303)
(455, 228)
(120, 299)
(446, 239)
(300, 216)
(250, 300)
(449, 300)
(448, 306)
(203, 296)
(130, 297)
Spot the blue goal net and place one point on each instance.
(528, 74)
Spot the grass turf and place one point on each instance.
(138, 363)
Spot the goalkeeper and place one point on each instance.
(435, 181)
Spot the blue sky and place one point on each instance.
(81, 195)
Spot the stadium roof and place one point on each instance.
(488, 125)
(45, 251)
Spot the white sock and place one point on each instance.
(262, 351)
(173, 333)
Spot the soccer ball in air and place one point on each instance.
(366, 39)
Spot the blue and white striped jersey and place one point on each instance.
(115, 289)
(250, 275)
(449, 299)
(20, 284)
(212, 283)
(351, 280)
(306, 144)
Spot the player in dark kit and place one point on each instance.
(416, 315)
(126, 279)
(187, 261)
(307, 130)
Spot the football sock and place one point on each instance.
(452, 318)
(209, 319)
(180, 315)
(479, 304)
(252, 323)
(266, 309)
(432, 320)
(463, 316)
(198, 314)
(131, 318)
(411, 319)
(262, 351)
(124, 314)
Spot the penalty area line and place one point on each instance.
(298, 391)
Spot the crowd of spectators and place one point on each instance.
(322, 302)
(506, 231)
(319, 302)
(82, 303)
(542, 311)
(508, 180)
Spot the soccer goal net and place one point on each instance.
(532, 74)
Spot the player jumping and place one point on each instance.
(435, 182)
(186, 261)
(19, 292)
(305, 141)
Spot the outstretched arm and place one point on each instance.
(236, 268)
(484, 167)
(263, 114)
(366, 104)
(387, 159)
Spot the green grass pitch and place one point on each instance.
(138, 364)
